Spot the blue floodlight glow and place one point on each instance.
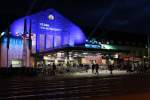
(14, 42)
(47, 23)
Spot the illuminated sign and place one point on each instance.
(92, 46)
(44, 24)
(107, 46)
(47, 27)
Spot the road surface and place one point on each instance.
(85, 88)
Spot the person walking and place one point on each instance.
(110, 68)
(97, 68)
(54, 69)
(93, 67)
(87, 68)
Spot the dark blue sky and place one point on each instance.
(122, 15)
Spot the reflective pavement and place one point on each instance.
(67, 88)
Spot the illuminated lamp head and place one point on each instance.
(3, 33)
(51, 17)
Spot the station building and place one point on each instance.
(55, 39)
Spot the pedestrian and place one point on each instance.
(87, 68)
(54, 68)
(97, 68)
(93, 67)
(110, 68)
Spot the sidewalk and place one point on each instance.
(102, 73)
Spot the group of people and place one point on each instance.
(95, 67)
(49, 69)
(53, 68)
(136, 66)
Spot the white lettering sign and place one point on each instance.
(47, 27)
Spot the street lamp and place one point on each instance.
(148, 53)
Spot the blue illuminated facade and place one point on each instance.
(50, 30)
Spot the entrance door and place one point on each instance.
(16, 63)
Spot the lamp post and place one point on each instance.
(148, 46)
(8, 41)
